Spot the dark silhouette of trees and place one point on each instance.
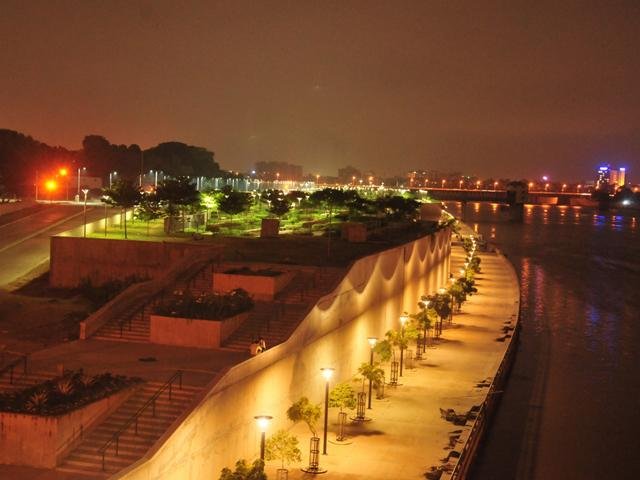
(233, 203)
(124, 194)
(176, 195)
(149, 209)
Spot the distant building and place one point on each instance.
(278, 171)
(349, 174)
(617, 177)
(608, 177)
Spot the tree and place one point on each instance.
(244, 472)
(342, 396)
(124, 194)
(305, 411)
(233, 203)
(398, 207)
(373, 373)
(282, 446)
(441, 303)
(280, 207)
(296, 196)
(149, 209)
(458, 294)
(424, 319)
(176, 194)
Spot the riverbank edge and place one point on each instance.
(491, 402)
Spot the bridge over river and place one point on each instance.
(501, 196)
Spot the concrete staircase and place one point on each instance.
(276, 321)
(131, 326)
(273, 321)
(21, 380)
(134, 325)
(86, 460)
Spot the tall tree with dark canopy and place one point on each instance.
(124, 194)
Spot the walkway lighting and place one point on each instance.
(372, 343)
(327, 373)
(263, 422)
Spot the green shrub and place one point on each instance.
(64, 394)
(208, 306)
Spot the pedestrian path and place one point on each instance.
(407, 435)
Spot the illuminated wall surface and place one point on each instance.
(368, 302)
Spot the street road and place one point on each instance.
(24, 243)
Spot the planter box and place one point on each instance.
(43, 441)
(192, 332)
(259, 287)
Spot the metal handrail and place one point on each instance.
(10, 367)
(186, 277)
(133, 420)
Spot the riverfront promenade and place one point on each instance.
(407, 435)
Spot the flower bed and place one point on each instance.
(262, 284)
(206, 306)
(205, 321)
(42, 423)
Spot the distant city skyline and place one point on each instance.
(508, 89)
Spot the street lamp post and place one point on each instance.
(372, 343)
(80, 172)
(403, 319)
(84, 213)
(327, 373)
(263, 423)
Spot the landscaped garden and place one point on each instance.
(178, 210)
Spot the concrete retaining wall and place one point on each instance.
(368, 301)
(40, 441)
(259, 287)
(192, 332)
(74, 259)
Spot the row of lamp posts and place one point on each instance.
(263, 421)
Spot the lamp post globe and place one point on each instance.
(263, 422)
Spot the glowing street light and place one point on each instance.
(372, 343)
(495, 185)
(263, 422)
(530, 184)
(327, 373)
(84, 214)
(546, 187)
(403, 319)
(578, 188)
(564, 186)
(460, 185)
(63, 172)
(443, 182)
(478, 185)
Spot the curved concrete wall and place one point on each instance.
(367, 302)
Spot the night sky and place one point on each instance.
(509, 89)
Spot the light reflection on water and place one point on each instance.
(579, 271)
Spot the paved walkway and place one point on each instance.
(407, 435)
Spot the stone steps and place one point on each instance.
(21, 380)
(86, 459)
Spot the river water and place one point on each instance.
(571, 409)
